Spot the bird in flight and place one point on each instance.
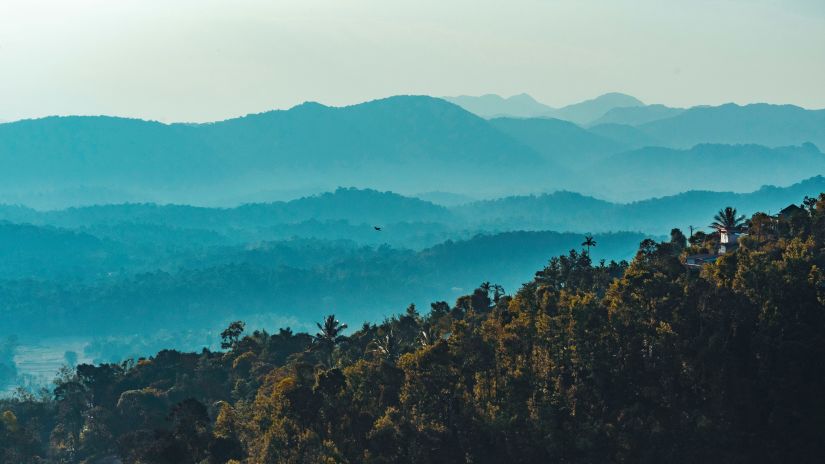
(377, 228)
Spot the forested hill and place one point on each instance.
(576, 212)
(353, 205)
(646, 362)
(143, 291)
(349, 213)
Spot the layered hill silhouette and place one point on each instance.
(492, 106)
(629, 137)
(576, 212)
(590, 110)
(350, 214)
(48, 252)
(403, 143)
(358, 206)
(174, 264)
(636, 115)
(297, 280)
(759, 123)
(407, 144)
(656, 171)
(525, 106)
(627, 163)
(563, 142)
(764, 124)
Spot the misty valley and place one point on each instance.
(415, 279)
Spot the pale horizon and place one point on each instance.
(201, 61)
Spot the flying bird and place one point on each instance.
(377, 228)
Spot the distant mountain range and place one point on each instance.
(770, 125)
(562, 142)
(402, 143)
(656, 171)
(525, 106)
(760, 123)
(590, 110)
(493, 106)
(626, 163)
(412, 145)
(636, 115)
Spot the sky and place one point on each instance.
(206, 60)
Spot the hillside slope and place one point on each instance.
(407, 143)
(656, 171)
(559, 141)
(576, 212)
(763, 124)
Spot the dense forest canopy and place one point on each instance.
(647, 361)
(166, 276)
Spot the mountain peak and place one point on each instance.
(618, 99)
(308, 105)
(591, 110)
(524, 105)
(407, 99)
(492, 105)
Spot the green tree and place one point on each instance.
(588, 242)
(727, 219)
(330, 334)
(331, 331)
(678, 239)
(232, 334)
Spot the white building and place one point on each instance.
(727, 240)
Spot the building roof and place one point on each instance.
(791, 210)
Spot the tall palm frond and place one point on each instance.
(588, 242)
(331, 331)
(728, 220)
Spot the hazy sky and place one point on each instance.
(200, 60)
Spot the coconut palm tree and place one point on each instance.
(331, 331)
(728, 220)
(588, 242)
(325, 341)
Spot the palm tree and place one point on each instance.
(331, 331)
(329, 336)
(728, 220)
(588, 242)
